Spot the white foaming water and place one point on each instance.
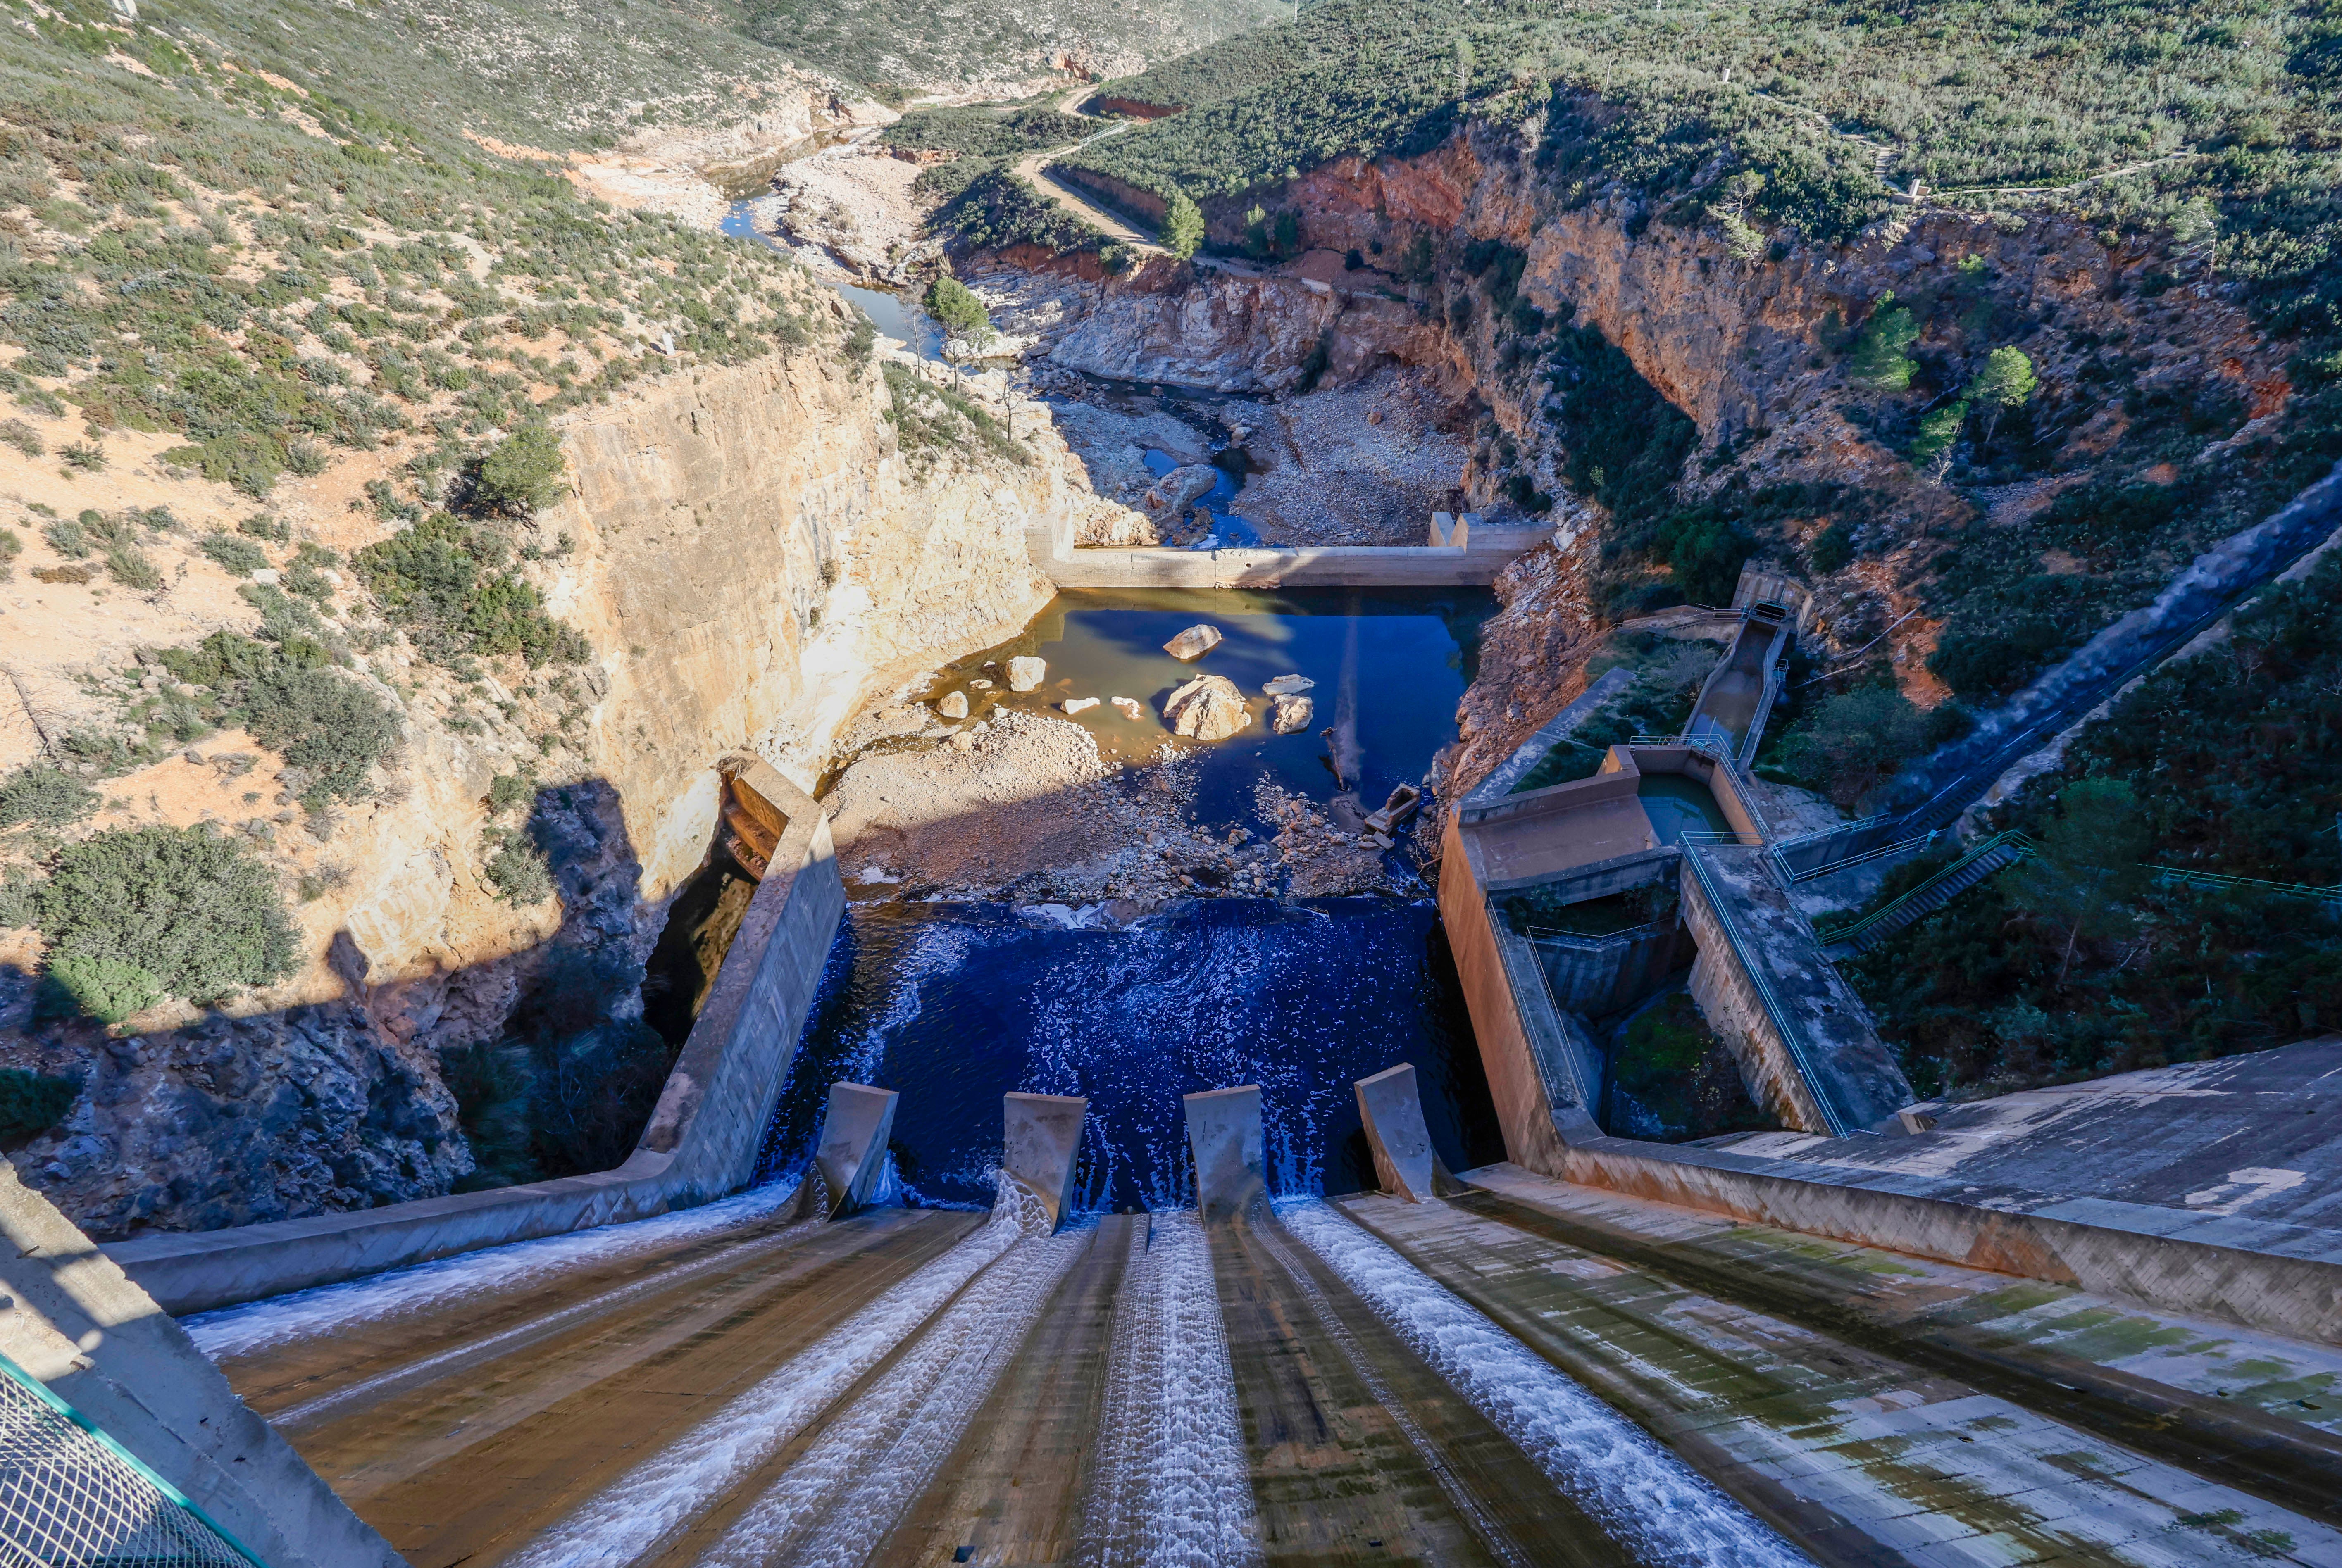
(627, 1520)
(832, 1506)
(280, 1320)
(1173, 1489)
(1642, 1496)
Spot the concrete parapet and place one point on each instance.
(1041, 1137)
(1224, 1132)
(853, 1151)
(1405, 1165)
(701, 1141)
(73, 1320)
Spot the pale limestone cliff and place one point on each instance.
(751, 557)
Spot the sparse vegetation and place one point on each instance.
(44, 796)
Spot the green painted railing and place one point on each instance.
(72, 1497)
(1999, 841)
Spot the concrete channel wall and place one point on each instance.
(72, 1320)
(701, 1142)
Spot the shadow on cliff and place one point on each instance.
(542, 1063)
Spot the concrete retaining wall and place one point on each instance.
(1729, 1001)
(701, 1142)
(73, 1321)
(1596, 975)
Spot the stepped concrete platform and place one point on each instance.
(1873, 1408)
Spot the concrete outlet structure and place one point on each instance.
(1041, 1137)
(854, 1143)
(1224, 1132)
(1405, 1165)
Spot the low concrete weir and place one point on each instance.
(1483, 554)
(852, 1156)
(1405, 1164)
(1041, 1139)
(1225, 1135)
(701, 1142)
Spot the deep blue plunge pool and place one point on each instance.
(952, 1006)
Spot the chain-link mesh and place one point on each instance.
(69, 1500)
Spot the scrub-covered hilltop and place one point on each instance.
(1984, 318)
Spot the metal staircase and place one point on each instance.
(2002, 849)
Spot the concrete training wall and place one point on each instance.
(1728, 999)
(71, 1319)
(2275, 1277)
(701, 1142)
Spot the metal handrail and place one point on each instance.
(1585, 943)
(1901, 846)
(2221, 879)
(1791, 1037)
(2024, 847)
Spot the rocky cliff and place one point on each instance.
(1571, 329)
(751, 553)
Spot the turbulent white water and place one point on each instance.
(832, 1506)
(1173, 1488)
(280, 1320)
(629, 1519)
(1644, 1497)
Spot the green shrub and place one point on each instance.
(68, 538)
(1183, 226)
(1853, 742)
(324, 723)
(131, 568)
(1879, 359)
(951, 302)
(1833, 548)
(44, 796)
(522, 473)
(31, 1104)
(192, 911)
(1939, 429)
(106, 989)
(234, 554)
(518, 868)
(445, 581)
(15, 432)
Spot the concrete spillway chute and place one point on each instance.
(1041, 1137)
(1224, 1132)
(853, 1153)
(1405, 1165)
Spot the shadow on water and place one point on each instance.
(954, 1005)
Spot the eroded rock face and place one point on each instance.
(1289, 716)
(1025, 673)
(1207, 708)
(1194, 643)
